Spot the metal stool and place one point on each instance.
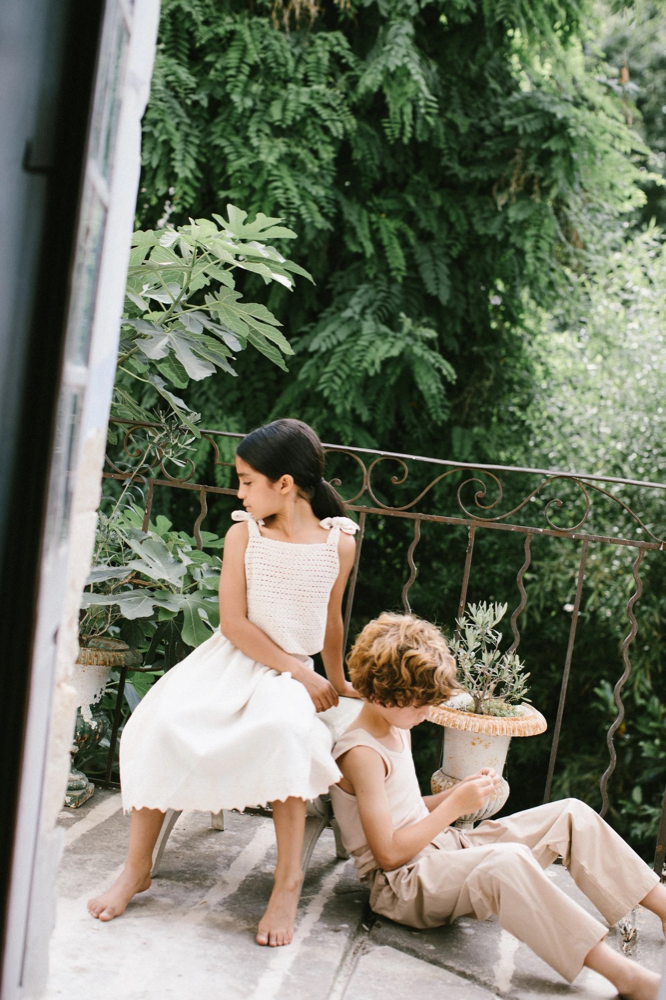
(319, 816)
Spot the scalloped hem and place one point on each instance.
(216, 806)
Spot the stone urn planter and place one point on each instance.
(95, 662)
(480, 722)
(473, 741)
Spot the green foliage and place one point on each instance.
(185, 319)
(496, 681)
(633, 40)
(458, 172)
(601, 370)
(367, 372)
(440, 160)
(134, 561)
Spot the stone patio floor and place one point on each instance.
(191, 936)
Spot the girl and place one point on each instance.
(424, 873)
(236, 724)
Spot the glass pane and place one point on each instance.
(86, 273)
(60, 499)
(107, 97)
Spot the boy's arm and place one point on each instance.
(432, 801)
(364, 770)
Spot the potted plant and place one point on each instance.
(95, 661)
(492, 708)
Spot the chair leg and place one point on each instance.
(340, 852)
(168, 823)
(314, 827)
(217, 820)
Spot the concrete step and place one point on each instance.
(481, 951)
(191, 935)
(384, 973)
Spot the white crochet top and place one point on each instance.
(289, 584)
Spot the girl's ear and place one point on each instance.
(286, 484)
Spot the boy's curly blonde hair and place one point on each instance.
(401, 660)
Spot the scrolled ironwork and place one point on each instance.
(399, 480)
(474, 501)
(554, 501)
(413, 570)
(477, 511)
(479, 495)
(203, 510)
(637, 519)
(523, 594)
(149, 468)
(336, 481)
(177, 479)
(617, 690)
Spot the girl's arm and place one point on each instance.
(332, 650)
(391, 848)
(249, 638)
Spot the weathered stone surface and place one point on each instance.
(391, 975)
(191, 936)
(497, 961)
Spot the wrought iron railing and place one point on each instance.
(545, 500)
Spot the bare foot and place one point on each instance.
(114, 901)
(640, 985)
(276, 927)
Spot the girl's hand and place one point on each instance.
(472, 793)
(345, 690)
(321, 691)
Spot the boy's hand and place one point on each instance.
(489, 771)
(473, 792)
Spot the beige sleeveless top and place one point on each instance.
(402, 792)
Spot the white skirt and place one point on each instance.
(221, 731)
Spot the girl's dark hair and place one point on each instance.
(290, 448)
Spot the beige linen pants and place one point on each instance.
(498, 869)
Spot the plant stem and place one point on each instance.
(137, 377)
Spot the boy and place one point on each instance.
(424, 873)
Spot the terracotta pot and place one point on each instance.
(472, 742)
